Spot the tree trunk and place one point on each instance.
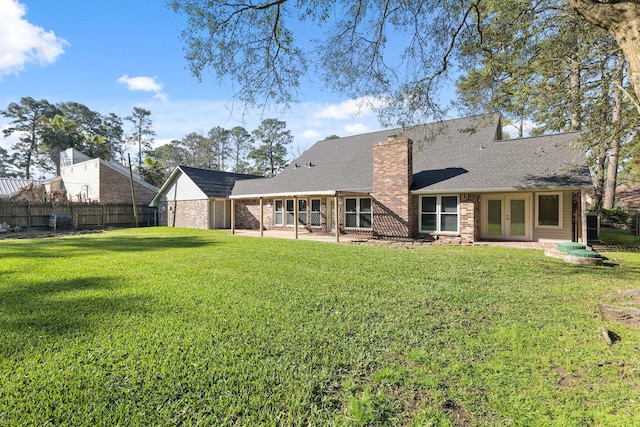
(622, 20)
(614, 145)
(28, 166)
(574, 60)
(602, 157)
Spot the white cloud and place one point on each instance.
(311, 134)
(145, 84)
(7, 142)
(350, 108)
(23, 42)
(355, 128)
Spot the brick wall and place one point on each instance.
(469, 217)
(185, 213)
(392, 178)
(247, 214)
(163, 211)
(116, 188)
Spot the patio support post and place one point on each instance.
(261, 217)
(295, 215)
(233, 216)
(583, 208)
(337, 220)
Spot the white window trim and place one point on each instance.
(357, 213)
(282, 212)
(287, 212)
(311, 212)
(438, 214)
(560, 210)
(306, 212)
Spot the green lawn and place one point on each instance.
(617, 236)
(181, 327)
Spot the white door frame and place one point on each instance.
(505, 217)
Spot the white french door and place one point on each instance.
(506, 217)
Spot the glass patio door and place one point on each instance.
(516, 218)
(507, 217)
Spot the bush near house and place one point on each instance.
(614, 217)
(166, 326)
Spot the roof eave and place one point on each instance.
(283, 194)
(300, 193)
(500, 190)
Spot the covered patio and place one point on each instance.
(351, 238)
(301, 234)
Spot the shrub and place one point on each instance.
(614, 217)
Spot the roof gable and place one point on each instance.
(214, 183)
(194, 183)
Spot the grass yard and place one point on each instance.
(619, 237)
(166, 326)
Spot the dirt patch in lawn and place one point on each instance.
(622, 306)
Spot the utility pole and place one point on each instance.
(133, 193)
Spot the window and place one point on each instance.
(357, 213)
(439, 214)
(302, 212)
(549, 210)
(277, 218)
(290, 214)
(316, 217)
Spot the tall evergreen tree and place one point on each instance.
(141, 132)
(270, 155)
(241, 142)
(114, 143)
(219, 139)
(200, 150)
(7, 169)
(27, 118)
(170, 155)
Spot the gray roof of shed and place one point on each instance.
(455, 155)
(214, 183)
(12, 186)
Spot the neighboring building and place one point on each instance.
(456, 180)
(84, 179)
(10, 187)
(197, 198)
(628, 198)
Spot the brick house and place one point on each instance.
(457, 180)
(83, 179)
(196, 198)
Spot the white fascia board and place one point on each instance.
(286, 194)
(498, 190)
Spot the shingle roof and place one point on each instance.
(455, 155)
(12, 186)
(214, 183)
(513, 164)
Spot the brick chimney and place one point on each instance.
(392, 179)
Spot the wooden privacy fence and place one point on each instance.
(92, 215)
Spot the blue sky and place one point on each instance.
(115, 55)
